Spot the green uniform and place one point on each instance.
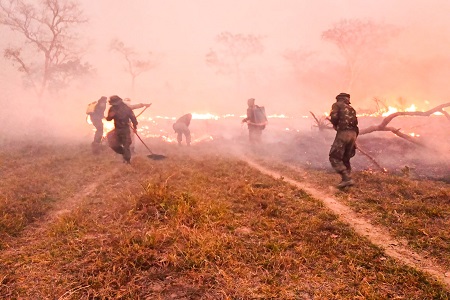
(344, 120)
(96, 118)
(122, 115)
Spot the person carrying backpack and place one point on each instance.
(96, 112)
(256, 121)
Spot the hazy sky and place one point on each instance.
(181, 32)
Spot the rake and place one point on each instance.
(151, 155)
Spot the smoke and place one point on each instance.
(413, 66)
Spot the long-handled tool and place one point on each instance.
(151, 155)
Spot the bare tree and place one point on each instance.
(136, 64)
(357, 40)
(233, 50)
(48, 57)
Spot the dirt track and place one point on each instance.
(377, 235)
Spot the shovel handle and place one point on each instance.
(142, 141)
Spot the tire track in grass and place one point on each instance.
(376, 234)
(20, 252)
(62, 207)
(70, 204)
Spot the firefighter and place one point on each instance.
(256, 121)
(181, 126)
(96, 116)
(122, 116)
(344, 120)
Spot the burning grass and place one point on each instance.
(198, 225)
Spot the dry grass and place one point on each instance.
(415, 210)
(197, 225)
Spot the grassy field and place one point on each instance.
(203, 224)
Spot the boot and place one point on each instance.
(346, 180)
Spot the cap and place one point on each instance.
(114, 100)
(343, 95)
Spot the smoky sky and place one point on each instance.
(414, 66)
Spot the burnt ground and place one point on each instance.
(394, 154)
(299, 142)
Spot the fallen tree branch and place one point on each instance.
(383, 125)
(385, 122)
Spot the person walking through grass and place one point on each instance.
(97, 115)
(122, 116)
(256, 121)
(344, 120)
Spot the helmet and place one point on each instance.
(114, 100)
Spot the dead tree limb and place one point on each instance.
(385, 122)
(383, 125)
(321, 124)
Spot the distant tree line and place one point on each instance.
(49, 53)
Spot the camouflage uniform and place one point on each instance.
(344, 120)
(96, 119)
(181, 126)
(122, 116)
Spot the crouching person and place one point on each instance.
(181, 126)
(122, 116)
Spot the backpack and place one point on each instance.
(91, 107)
(260, 115)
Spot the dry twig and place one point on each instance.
(321, 124)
